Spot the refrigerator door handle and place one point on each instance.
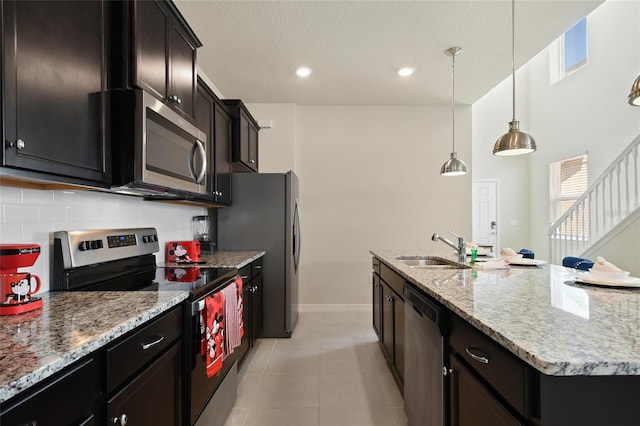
(296, 235)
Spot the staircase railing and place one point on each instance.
(608, 202)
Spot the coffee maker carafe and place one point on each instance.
(201, 228)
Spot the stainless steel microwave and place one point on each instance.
(156, 152)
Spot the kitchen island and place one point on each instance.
(576, 346)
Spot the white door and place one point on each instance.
(485, 213)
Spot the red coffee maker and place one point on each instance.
(18, 287)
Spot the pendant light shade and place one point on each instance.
(634, 96)
(453, 166)
(514, 142)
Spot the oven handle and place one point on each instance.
(198, 305)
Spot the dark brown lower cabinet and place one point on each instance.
(377, 313)
(68, 398)
(473, 404)
(152, 398)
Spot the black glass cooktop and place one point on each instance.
(192, 278)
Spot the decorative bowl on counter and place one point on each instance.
(609, 276)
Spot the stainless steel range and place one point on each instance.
(124, 260)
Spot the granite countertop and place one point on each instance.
(539, 313)
(225, 259)
(35, 345)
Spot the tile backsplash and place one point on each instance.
(31, 216)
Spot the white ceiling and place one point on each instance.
(252, 48)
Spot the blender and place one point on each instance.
(201, 228)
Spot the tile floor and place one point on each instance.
(330, 373)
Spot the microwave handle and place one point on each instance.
(203, 153)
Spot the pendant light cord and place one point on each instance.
(453, 97)
(513, 55)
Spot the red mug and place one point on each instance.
(17, 287)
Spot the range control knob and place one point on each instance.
(83, 246)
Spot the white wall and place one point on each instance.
(32, 215)
(587, 111)
(276, 148)
(369, 178)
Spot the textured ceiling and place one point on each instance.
(252, 48)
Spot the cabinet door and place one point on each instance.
(182, 71)
(222, 147)
(472, 404)
(377, 300)
(244, 139)
(387, 320)
(150, 32)
(153, 397)
(204, 122)
(256, 307)
(253, 146)
(54, 77)
(398, 335)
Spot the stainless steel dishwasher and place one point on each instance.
(424, 382)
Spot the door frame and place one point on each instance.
(498, 221)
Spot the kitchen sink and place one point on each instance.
(430, 262)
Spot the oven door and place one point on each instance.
(204, 384)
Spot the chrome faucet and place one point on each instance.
(460, 248)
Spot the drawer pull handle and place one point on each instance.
(244, 277)
(146, 346)
(258, 266)
(480, 358)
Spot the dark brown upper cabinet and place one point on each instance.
(244, 137)
(213, 118)
(54, 59)
(156, 52)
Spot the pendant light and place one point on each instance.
(453, 166)
(634, 96)
(514, 142)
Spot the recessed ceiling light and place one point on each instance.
(406, 71)
(303, 71)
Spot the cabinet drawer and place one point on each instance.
(502, 370)
(67, 398)
(375, 264)
(256, 267)
(393, 280)
(245, 273)
(133, 353)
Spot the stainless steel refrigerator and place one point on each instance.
(264, 215)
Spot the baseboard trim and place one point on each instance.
(334, 308)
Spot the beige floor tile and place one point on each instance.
(369, 416)
(346, 361)
(283, 417)
(293, 362)
(236, 417)
(351, 390)
(399, 418)
(288, 390)
(255, 362)
(247, 388)
(297, 345)
(390, 389)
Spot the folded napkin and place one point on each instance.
(527, 254)
(604, 266)
(507, 251)
(492, 264)
(577, 263)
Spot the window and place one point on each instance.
(568, 52)
(568, 180)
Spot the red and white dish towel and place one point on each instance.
(214, 331)
(233, 316)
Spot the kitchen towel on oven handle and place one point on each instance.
(233, 316)
(214, 331)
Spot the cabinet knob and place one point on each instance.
(252, 161)
(122, 420)
(175, 99)
(389, 298)
(19, 144)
